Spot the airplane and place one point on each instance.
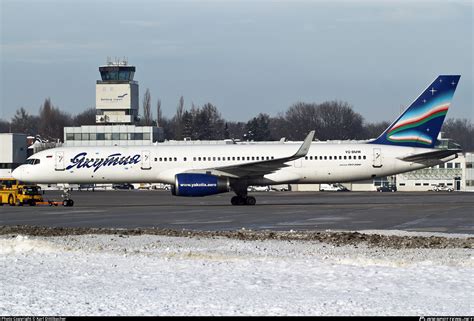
(408, 144)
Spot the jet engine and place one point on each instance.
(190, 184)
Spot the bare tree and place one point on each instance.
(339, 121)
(147, 108)
(188, 123)
(300, 119)
(236, 129)
(168, 128)
(22, 122)
(52, 121)
(159, 113)
(178, 119)
(331, 120)
(87, 117)
(208, 123)
(279, 127)
(373, 130)
(5, 126)
(258, 128)
(461, 131)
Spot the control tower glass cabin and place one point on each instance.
(116, 94)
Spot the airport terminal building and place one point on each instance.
(13, 152)
(111, 135)
(449, 174)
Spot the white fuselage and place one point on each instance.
(324, 163)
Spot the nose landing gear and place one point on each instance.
(68, 202)
(66, 195)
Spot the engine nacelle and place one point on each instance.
(199, 185)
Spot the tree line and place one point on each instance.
(332, 120)
(49, 123)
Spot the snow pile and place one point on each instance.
(22, 244)
(159, 275)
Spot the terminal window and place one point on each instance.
(137, 136)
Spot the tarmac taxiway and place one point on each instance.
(279, 211)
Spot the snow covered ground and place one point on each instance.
(159, 275)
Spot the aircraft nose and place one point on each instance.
(19, 173)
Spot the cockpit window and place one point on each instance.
(32, 161)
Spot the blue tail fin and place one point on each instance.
(420, 123)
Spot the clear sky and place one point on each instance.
(245, 57)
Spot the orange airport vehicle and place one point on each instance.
(14, 192)
(17, 193)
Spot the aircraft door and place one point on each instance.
(377, 161)
(59, 161)
(146, 164)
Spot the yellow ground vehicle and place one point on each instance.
(14, 192)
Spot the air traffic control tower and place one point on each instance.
(116, 94)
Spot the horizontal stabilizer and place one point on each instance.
(438, 154)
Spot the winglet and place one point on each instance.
(303, 150)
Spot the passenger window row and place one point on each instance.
(345, 157)
(214, 158)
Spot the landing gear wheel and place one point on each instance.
(234, 200)
(240, 200)
(68, 203)
(250, 200)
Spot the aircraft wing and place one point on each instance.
(260, 168)
(434, 155)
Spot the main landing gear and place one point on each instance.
(240, 188)
(243, 200)
(66, 195)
